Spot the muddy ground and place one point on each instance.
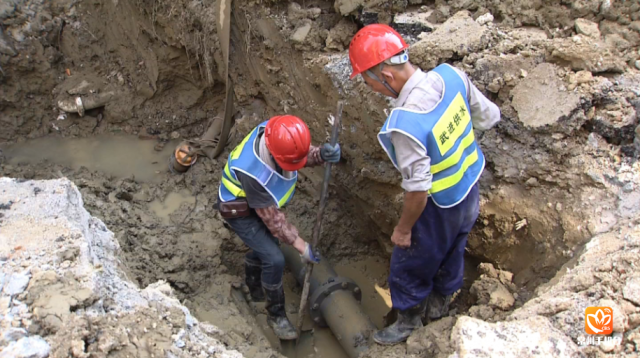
(561, 166)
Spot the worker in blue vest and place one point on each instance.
(260, 178)
(430, 137)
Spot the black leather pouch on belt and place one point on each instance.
(234, 209)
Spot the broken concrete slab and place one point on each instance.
(457, 37)
(27, 347)
(584, 53)
(541, 100)
(533, 337)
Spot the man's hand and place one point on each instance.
(330, 154)
(306, 251)
(401, 238)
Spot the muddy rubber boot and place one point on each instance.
(253, 274)
(276, 315)
(437, 306)
(399, 331)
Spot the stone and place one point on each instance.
(457, 37)
(486, 268)
(432, 338)
(637, 64)
(482, 312)
(341, 34)
(631, 290)
(585, 53)
(300, 34)
(17, 283)
(7, 8)
(540, 100)
(533, 337)
(484, 19)
(6, 46)
(13, 334)
(492, 292)
(27, 347)
(619, 317)
(587, 28)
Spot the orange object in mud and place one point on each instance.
(68, 71)
(182, 155)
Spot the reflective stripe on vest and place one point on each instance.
(244, 159)
(446, 134)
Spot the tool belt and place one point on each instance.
(234, 209)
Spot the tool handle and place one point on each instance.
(316, 229)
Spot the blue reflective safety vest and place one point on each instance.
(246, 160)
(446, 133)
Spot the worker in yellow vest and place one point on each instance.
(260, 178)
(430, 138)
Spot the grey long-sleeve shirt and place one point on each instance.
(422, 92)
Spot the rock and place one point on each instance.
(486, 268)
(637, 64)
(13, 334)
(587, 28)
(483, 19)
(482, 312)
(5, 42)
(17, 283)
(27, 347)
(175, 135)
(540, 100)
(7, 8)
(631, 290)
(340, 35)
(505, 276)
(458, 36)
(533, 337)
(584, 53)
(300, 34)
(492, 292)
(296, 13)
(619, 317)
(431, 339)
(345, 7)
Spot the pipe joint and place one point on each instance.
(325, 290)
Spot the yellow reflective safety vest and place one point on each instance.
(446, 134)
(246, 160)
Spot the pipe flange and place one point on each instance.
(326, 289)
(80, 106)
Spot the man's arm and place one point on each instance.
(277, 223)
(484, 113)
(415, 167)
(314, 158)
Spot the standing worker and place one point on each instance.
(429, 137)
(260, 178)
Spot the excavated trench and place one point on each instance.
(554, 178)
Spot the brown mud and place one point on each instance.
(561, 166)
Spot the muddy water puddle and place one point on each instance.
(120, 156)
(173, 201)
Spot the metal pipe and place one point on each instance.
(334, 302)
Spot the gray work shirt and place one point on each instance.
(422, 92)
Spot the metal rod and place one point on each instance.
(318, 226)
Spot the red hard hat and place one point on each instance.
(288, 139)
(373, 44)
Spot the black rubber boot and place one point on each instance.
(399, 331)
(253, 273)
(437, 306)
(276, 315)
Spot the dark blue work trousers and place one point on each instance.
(265, 248)
(435, 259)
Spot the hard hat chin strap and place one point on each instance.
(398, 59)
(382, 80)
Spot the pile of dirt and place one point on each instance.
(561, 165)
(65, 295)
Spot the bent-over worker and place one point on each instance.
(260, 178)
(430, 138)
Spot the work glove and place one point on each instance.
(309, 255)
(330, 154)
